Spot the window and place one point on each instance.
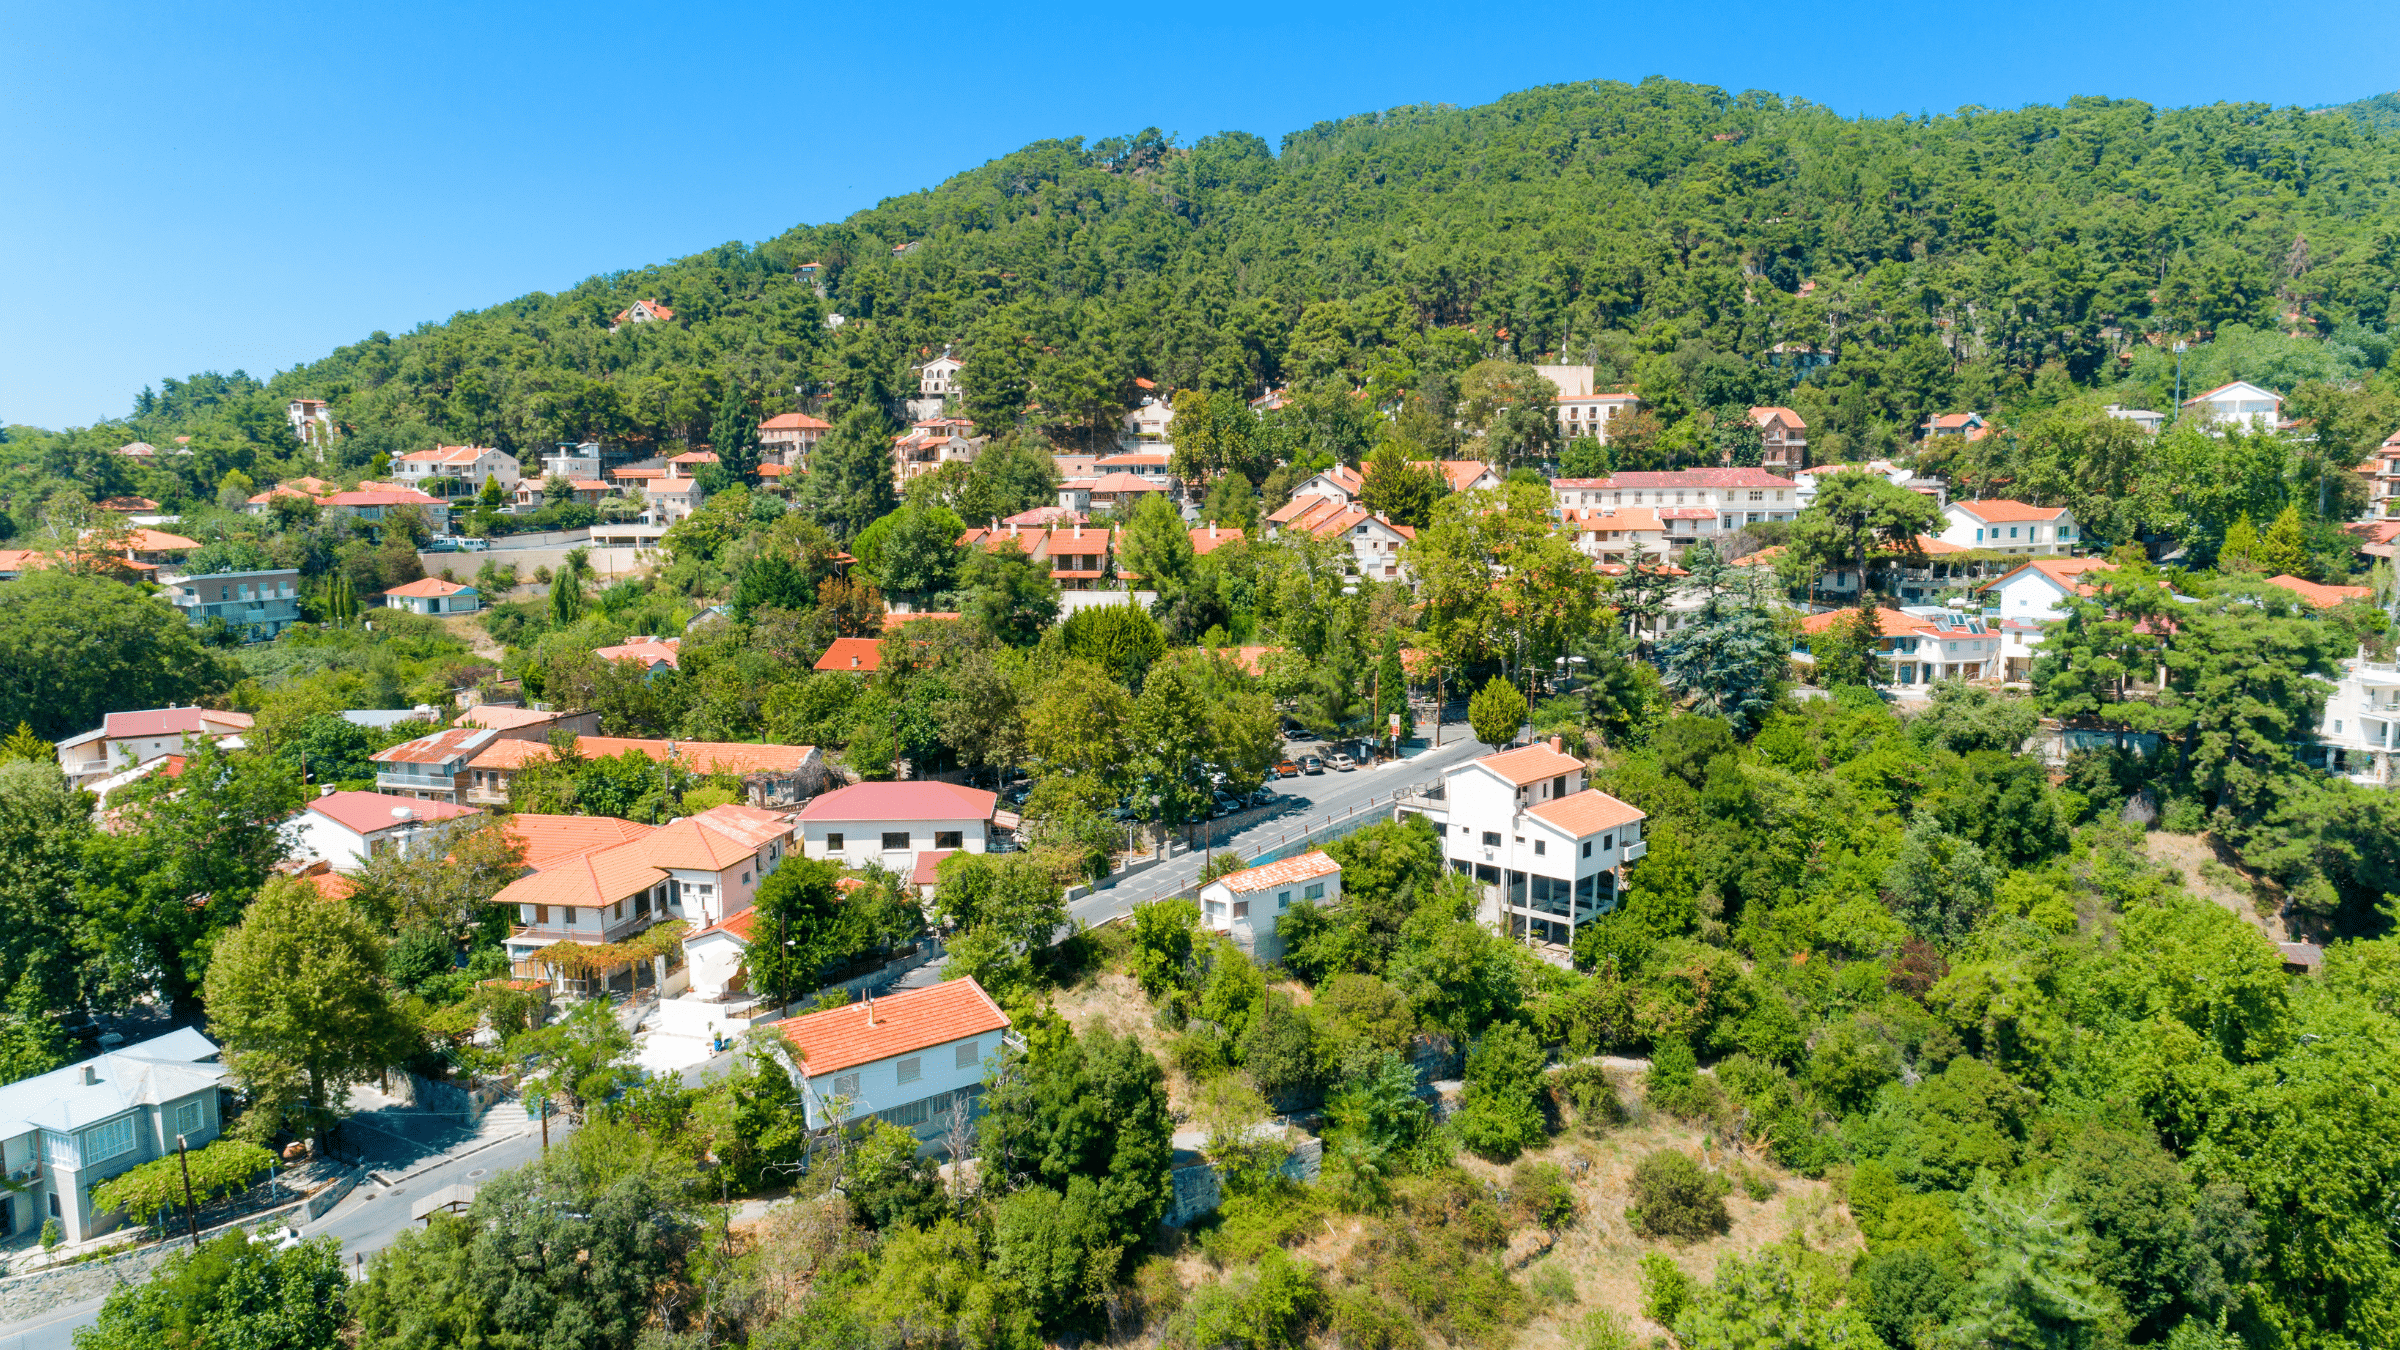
(1283, 899)
(745, 878)
(833, 843)
(187, 1118)
(1491, 839)
(895, 841)
(948, 838)
(1587, 848)
(912, 1068)
(846, 1085)
(967, 1057)
(112, 1140)
(541, 914)
(1609, 841)
(1316, 891)
(2012, 531)
(1541, 847)
(1241, 909)
(1558, 786)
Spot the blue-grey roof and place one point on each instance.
(154, 1072)
(387, 717)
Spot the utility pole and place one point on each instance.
(191, 1210)
(545, 1123)
(2180, 349)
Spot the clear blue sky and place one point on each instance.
(193, 187)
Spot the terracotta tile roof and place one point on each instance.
(1458, 473)
(736, 926)
(1531, 763)
(899, 1024)
(861, 654)
(1587, 812)
(511, 754)
(695, 457)
(1588, 519)
(1680, 478)
(590, 880)
(2006, 512)
(1791, 419)
(902, 801)
(1127, 482)
(794, 422)
(168, 721)
(438, 748)
(734, 757)
(448, 454)
(2063, 571)
(718, 838)
(651, 652)
(378, 497)
(1948, 420)
(502, 717)
(367, 812)
(1890, 622)
(1207, 539)
(1158, 457)
(2321, 596)
(157, 541)
(1284, 872)
(429, 588)
(550, 839)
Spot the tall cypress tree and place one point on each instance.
(734, 437)
(849, 484)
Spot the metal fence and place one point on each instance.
(1307, 835)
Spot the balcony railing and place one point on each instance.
(1637, 850)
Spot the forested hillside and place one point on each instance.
(1671, 233)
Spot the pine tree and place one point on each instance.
(2239, 551)
(849, 485)
(2284, 550)
(23, 744)
(1496, 711)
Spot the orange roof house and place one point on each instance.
(2321, 596)
(884, 1056)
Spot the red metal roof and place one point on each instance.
(1286, 872)
(169, 721)
(367, 812)
(902, 801)
(439, 748)
(2005, 511)
(861, 654)
(899, 1024)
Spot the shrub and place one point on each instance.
(1246, 1227)
(1540, 1191)
(1549, 1282)
(1502, 1115)
(1666, 1290)
(1592, 1094)
(1673, 1198)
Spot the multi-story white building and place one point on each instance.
(1375, 541)
(2004, 526)
(344, 829)
(2360, 731)
(932, 442)
(461, 469)
(2029, 600)
(312, 422)
(1549, 851)
(789, 438)
(1593, 414)
(1246, 905)
(1808, 480)
(1731, 498)
(937, 387)
(2382, 472)
(915, 1059)
(1920, 644)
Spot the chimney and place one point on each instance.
(91, 1076)
(870, 1010)
(1557, 745)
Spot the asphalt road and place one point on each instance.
(366, 1222)
(1312, 802)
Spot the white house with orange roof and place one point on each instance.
(790, 438)
(1147, 426)
(915, 1059)
(771, 775)
(646, 650)
(1922, 644)
(345, 829)
(1782, 439)
(932, 442)
(1375, 540)
(2008, 526)
(598, 881)
(371, 504)
(459, 469)
(431, 768)
(890, 825)
(1549, 850)
(124, 740)
(1246, 905)
(641, 311)
(2319, 595)
(1615, 536)
(432, 595)
(2239, 403)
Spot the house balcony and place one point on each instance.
(1636, 851)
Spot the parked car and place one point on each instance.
(1015, 793)
(1342, 763)
(1298, 733)
(1227, 804)
(1289, 768)
(1265, 797)
(1312, 764)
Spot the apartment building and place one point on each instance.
(1550, 851)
